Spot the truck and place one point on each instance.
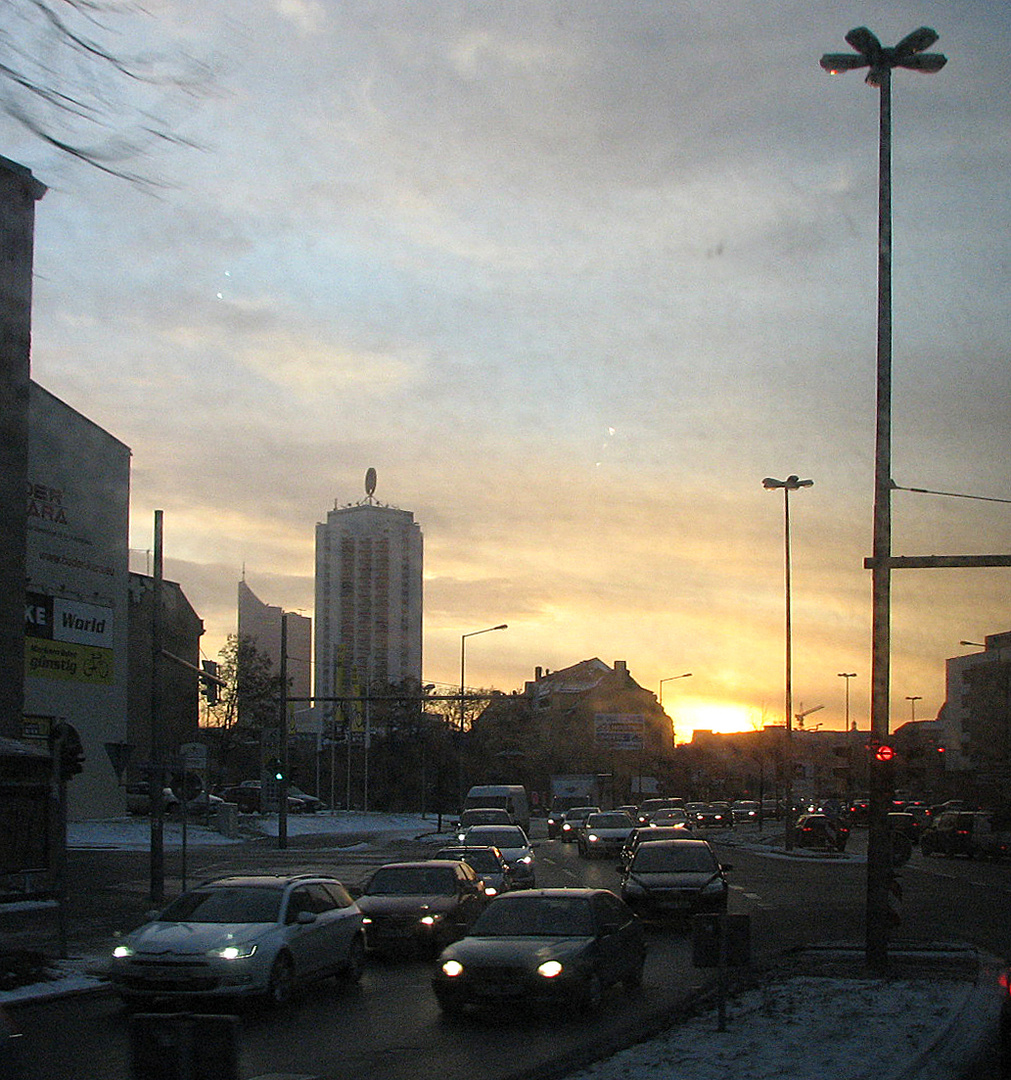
(578, 789)
(509, 797)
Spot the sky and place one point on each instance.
(573, 278)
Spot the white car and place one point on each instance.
(604, 833)
(242, 936)
(516, 849)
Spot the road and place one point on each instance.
(390, 1026)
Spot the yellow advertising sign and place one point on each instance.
(68, 661)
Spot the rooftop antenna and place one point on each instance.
(370, 484)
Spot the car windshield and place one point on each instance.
(608, 821)
(413, 881)
(536, 916)
(231, 904)
(662, 859)
(502, 838)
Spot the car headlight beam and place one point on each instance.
(452, 969)
(550, 969)
(235, 952)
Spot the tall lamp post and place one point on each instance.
(913, 699)
(870, 53)
(791, 483)
(463, 705)
(847, 675)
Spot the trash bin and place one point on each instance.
(226, 819)
(184, 1046)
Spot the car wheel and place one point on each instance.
(281, 982)
(356, 962)
(592, 994)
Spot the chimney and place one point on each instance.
(537, 674)
(620, 665)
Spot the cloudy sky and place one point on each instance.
(573, 277)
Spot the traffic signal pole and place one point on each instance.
(282, 787)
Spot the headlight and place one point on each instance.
(550, 969)
(430, 920)
(234, 952)
(566, 827)
(366, 921)
(593, 838)
(452, 968)
(490, 890)
(527, 860)
(121, 952)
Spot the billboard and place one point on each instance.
(619, 731)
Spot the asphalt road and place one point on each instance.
(390, 1026)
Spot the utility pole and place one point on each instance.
(156, 782)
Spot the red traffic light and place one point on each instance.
(884, 753)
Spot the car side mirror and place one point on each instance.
(304, 918)
(726, 866)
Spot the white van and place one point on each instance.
(509, 797)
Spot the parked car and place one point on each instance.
(482, 815)
(487, 862)
(820, 831)
(241, 936)
(308, 804)
(544, 948)
(680, 877)
(516, 849)
(138, 799)
(575, 817)
(604, 833)
(420, 905)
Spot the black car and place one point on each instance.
(487, 862)
(675, 878)
(569, 830)
(1005, 1018)
(820, 831)
(420, 906)
(543, 947)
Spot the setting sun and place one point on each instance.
(721, 716)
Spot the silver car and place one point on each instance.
(242, 936)
(516, 849)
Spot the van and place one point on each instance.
(509, 797)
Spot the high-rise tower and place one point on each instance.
(368, 596)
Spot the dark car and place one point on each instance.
(604, 833)
(575, 817)
(487, 862)
(650, 834)
(420, 905)
(714, 817)
(541, 948)
(964, 832)
(1004, 1028)
(820, 831)
(241, 936)
(679, 878)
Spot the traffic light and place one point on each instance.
(209, 681)
(275, 769)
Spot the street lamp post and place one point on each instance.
(463, 706)
(847, 675)
(791, 483)
(913, 699)
(870, 53)
(670, 678)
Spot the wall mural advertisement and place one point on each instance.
(68, 640)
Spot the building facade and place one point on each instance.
(179, 696)
(261, 624)
(369, 561)
(77, 609)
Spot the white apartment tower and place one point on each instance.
(368, 597)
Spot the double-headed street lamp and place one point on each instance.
(463, 703)
(791, 483)
(870, 53)
(913, 699)
(847, 675)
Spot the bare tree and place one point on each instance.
(63, 79)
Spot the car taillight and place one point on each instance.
(1005, 982)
